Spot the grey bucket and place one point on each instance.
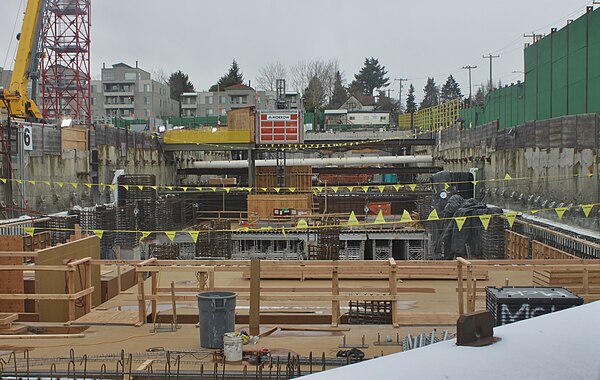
(217, 317)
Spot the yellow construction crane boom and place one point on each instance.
(16, 99)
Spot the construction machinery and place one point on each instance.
(15, 101)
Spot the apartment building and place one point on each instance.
(130, 93)
(206, 103)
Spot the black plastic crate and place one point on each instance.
(516, 303)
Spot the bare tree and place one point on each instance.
(159, 75)
(324, 70)
(268, 75)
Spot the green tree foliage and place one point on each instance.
(234, 76)
(179, 83)
(370, 77)
(450, 90)
(314, 95)
(387, 104)
(432, 94)
(411, 104)
(479, 98)
(340, 94)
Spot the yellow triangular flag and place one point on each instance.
(277, 189)
(586, 209)
(335, 188)
(397, 187)
(19, 181)
(406, 218)
(264, 189)
(446, 186)
(171, 234)
(98, 233)
(381, 188)
(292, 189)
(145, 234)
(214, 189)
(560, 211)
(534, 211)
(248, 189)
(60, 184)
(48, 183)
(283, 232)
(319, 189)
(29, 230)
(3, 180)
(126, 187)
(199, 189)
(507, 177)
(140, 187)
(31, 182)
(433, 215)
(194, 235)
(475, 183)
(379, 219)
(153, 188)
(460, 221)
(302, 224)
(352, 220)
(350, 188)
(365, 188)
(227, 189)
(485, 221)
(170, 187)
(88, 185)
(412, 186)
(511, 216)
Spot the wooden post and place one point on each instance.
(174, 304)
(461, 298)
(141, 299)
(202, 281)
(154, 294)
(254, 297)
(469, 289)
(335, 291)
(118, 270)
(474, 295)
(211, 280)
(506, 281)
(71, 291)
(586, 281)
(88, 284)
(394, 292)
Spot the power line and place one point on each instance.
(470, 85)
(491, 58)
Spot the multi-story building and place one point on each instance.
(5, 77)
(207, 104)
(130, 93)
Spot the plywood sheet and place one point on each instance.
(108, 317)
(261, 206)
(55, 282)
(11, 282)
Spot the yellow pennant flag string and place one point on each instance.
(560, 211)
(433, 215)
(194, 235)
(379, 219)
(460, 221)
(352, 220)
(302, 224)
(485, 221)
(412, 186)
(29, 231)
(171, 234)
(145, 234)
(511, 216)
(98, 233)
(365, 188)
(406, 218)
(586, 209)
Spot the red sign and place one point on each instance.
(280, 127)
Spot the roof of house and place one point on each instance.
(365, 100)
(550, 347)
(239, 86)
(121, 64)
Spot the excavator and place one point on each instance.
(15, 101)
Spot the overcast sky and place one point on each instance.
(413, 39)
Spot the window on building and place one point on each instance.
(146, 100)
(130, 76)
(160, 102)
(208, 100)
(382, 118)
(147, 112)
(223, 112)
(210, 112)
(92, 89)
(351, 118)
(147, 88)
(108, 75)
(222, 99)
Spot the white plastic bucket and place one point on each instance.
(232, 347)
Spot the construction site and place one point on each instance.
(255, 247)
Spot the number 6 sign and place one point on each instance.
(27, 138)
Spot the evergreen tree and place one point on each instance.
(387, 104)
(340, 94)
(233, 76)
(432, 94)
(370, 77)
(411, 104)
(479, 97)
(179, 83)
(450, 90)
(314, 95)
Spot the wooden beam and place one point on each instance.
(145, 365)
(255, 297)
(335, 291)
(173, 304)
(393, 284)
(37, 268)
(146, 262)
(154, 285)
(141, 299)
(18, 254)
(71, 291)
(42, 336)
(461, 297)
(79, 262)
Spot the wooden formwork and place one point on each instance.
(261, 206)
(516, 246)
(298, 177)
(543, 251)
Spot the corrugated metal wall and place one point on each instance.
(562, 77)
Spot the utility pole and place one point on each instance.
(470, 86)
(400, 80)
(491, 57)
